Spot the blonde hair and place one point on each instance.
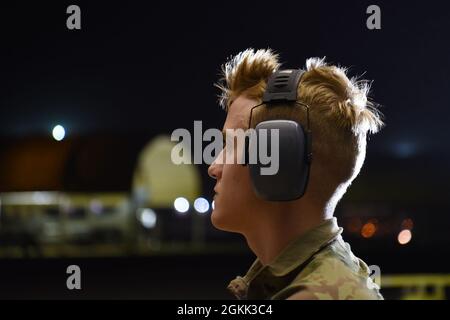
(341, 115)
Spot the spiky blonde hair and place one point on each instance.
(341, 115)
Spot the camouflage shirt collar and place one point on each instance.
(294, 255)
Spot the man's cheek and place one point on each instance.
(243, 181)
(236, 180)
(237, 172)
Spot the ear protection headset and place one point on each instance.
(295, 148)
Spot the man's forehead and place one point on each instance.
(239, 113)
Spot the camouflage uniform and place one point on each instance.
(319, 262)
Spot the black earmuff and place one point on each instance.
(285, 178)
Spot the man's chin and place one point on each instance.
(219, 221)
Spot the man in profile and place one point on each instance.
(298, 244)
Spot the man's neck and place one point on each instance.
(274, 231)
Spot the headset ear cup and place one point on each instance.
(289, 180)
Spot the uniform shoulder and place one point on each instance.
(334, 274)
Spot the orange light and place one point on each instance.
(407, 224)
(404, 236)
(368, 230)
(354, 225)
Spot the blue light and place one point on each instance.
(201, 205)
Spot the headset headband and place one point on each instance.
(282, 87)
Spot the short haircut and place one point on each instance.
(341, 115)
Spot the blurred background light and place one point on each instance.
(147, 217)
(368, 230)
(96, 206)
(405, 149)
(58, 132)
(354, 225)
(407, 224)
(181, 205)
(404, 237)
(201, 205)
(42, 198)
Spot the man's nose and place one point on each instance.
(215, 170)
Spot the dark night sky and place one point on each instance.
(139, 68)
(150, 67)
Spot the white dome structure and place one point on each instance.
(157, 181)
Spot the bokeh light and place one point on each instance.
(354, 225)
(201, 205)
(58, 132)
(181, 205)
(368, 230)
(148, 218)
(404, 237)
(407, 224)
